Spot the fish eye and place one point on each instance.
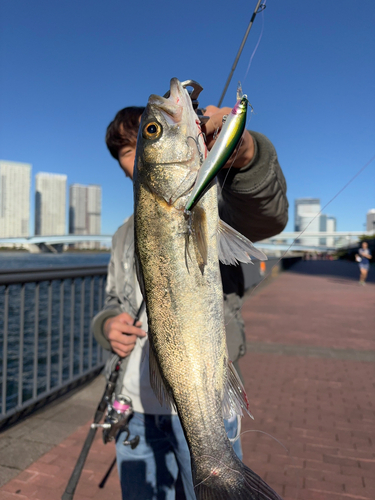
(152, 130)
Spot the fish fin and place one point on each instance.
(200, 236)
(226, 481)
(233, 247)
(164, 396)
(235, 399)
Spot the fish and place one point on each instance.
(177, 261)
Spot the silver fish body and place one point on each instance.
(178, 269)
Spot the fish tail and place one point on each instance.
(236, 482)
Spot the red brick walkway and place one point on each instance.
(47, 478)
(310, 374)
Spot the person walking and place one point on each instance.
(363, 258)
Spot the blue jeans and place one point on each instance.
(159, 467)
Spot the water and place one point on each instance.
(78, 306)
(26, 260)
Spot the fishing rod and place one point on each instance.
(121, 410)
(258, 8)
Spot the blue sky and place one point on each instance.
(67, 67)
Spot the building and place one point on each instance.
(94, 209)
(370, 220)
(331, 228)
(50, 204)
(85, 207)
(306, 217)
(15, 181)
(323, 228)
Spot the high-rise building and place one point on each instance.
(14, 199)
(323, 227)
(331, 228)
(50, 204)
(94, 209)
(77, 209)
(370, 220)
(305, 218)
(85, 208)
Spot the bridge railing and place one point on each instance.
(46, 344)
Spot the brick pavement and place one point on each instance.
(308, 336)
(309, 374)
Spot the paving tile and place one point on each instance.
(51, 432)
(6, 474)
(22, 455)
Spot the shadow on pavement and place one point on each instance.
(339, 269)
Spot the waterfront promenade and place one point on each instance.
(309, 374)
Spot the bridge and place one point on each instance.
(281, 242)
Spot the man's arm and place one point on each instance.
(113, 328)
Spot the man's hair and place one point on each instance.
(123, 130)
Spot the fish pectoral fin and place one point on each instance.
(235, 399)
(233, 247)
(164, 397)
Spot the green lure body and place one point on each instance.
(221, 151)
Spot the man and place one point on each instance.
(253, 201)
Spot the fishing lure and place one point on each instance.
(221, 151)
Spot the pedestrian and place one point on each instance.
(254, 202)
(363, 258)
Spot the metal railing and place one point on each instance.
(46, 342)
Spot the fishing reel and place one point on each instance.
(117, 419)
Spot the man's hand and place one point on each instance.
(121, 334)
(244, 153)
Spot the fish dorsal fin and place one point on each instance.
(235, 399)
(164, 397)
(200, 236)
(233, 247)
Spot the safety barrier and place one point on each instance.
(46, 344)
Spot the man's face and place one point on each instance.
(126, 159)
(364, 245)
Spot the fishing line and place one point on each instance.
(267, 434)
(301, 233)
(225, 466)
(296, 459)
(258, 8)
(312, 220)
(259, 39)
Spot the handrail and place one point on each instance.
(47, 344)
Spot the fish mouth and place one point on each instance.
(171, 107)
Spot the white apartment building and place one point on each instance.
(305, 209)
(370, 220)
(50, 204)
(15, 181)
(331, 228)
